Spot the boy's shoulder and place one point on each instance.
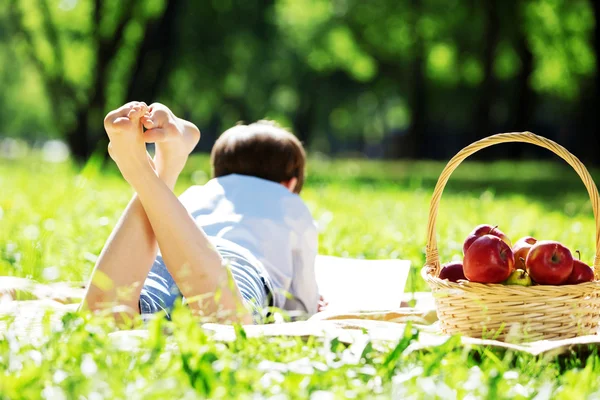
(246, 191)
(264, 187)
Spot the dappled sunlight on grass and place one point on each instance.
(55, 218)
(81, 355)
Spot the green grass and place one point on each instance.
(54, 219)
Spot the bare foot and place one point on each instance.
(125, 131)
(173, 137)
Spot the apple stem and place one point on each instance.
(578, 254)
(492, 230)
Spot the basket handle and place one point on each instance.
(432, 256)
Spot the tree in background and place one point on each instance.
(588, 130)
(460, 69)
(559, 34)
(396, 78)
(82, 52)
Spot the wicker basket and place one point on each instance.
(513, 312)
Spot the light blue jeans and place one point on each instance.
(160, 292)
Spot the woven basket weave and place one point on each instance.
(513, 312)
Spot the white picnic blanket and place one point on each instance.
(359, 285)
(345, 282)
(348, 284)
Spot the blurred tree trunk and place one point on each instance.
(591, 107)
(596, 6)
(77, 113)
(587, 134)
(525, 96)
(84, 136)
(60, 94)
(524, 100)
(77, 137)
(406, 145)
(156, 56)
(487, 90)
(304, 119)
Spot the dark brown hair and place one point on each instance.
(262, 149)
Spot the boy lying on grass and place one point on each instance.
(232, 248)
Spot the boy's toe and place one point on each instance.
(135, 112)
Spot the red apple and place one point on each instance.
(481, 230)
(521, 250)
(488, 260)
(549, 263)
(581, 273)
(453, 271)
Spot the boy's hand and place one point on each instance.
(127, 147)
(322, 306)
(174, 138)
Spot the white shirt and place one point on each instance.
(272, 223)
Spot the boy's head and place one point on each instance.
(262, 149)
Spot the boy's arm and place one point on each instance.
(304, 282)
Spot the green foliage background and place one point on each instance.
(393, 76)
(407, 78)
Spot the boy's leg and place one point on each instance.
(192, 261)
(194, 264)
(124, 262)
(129, 252)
